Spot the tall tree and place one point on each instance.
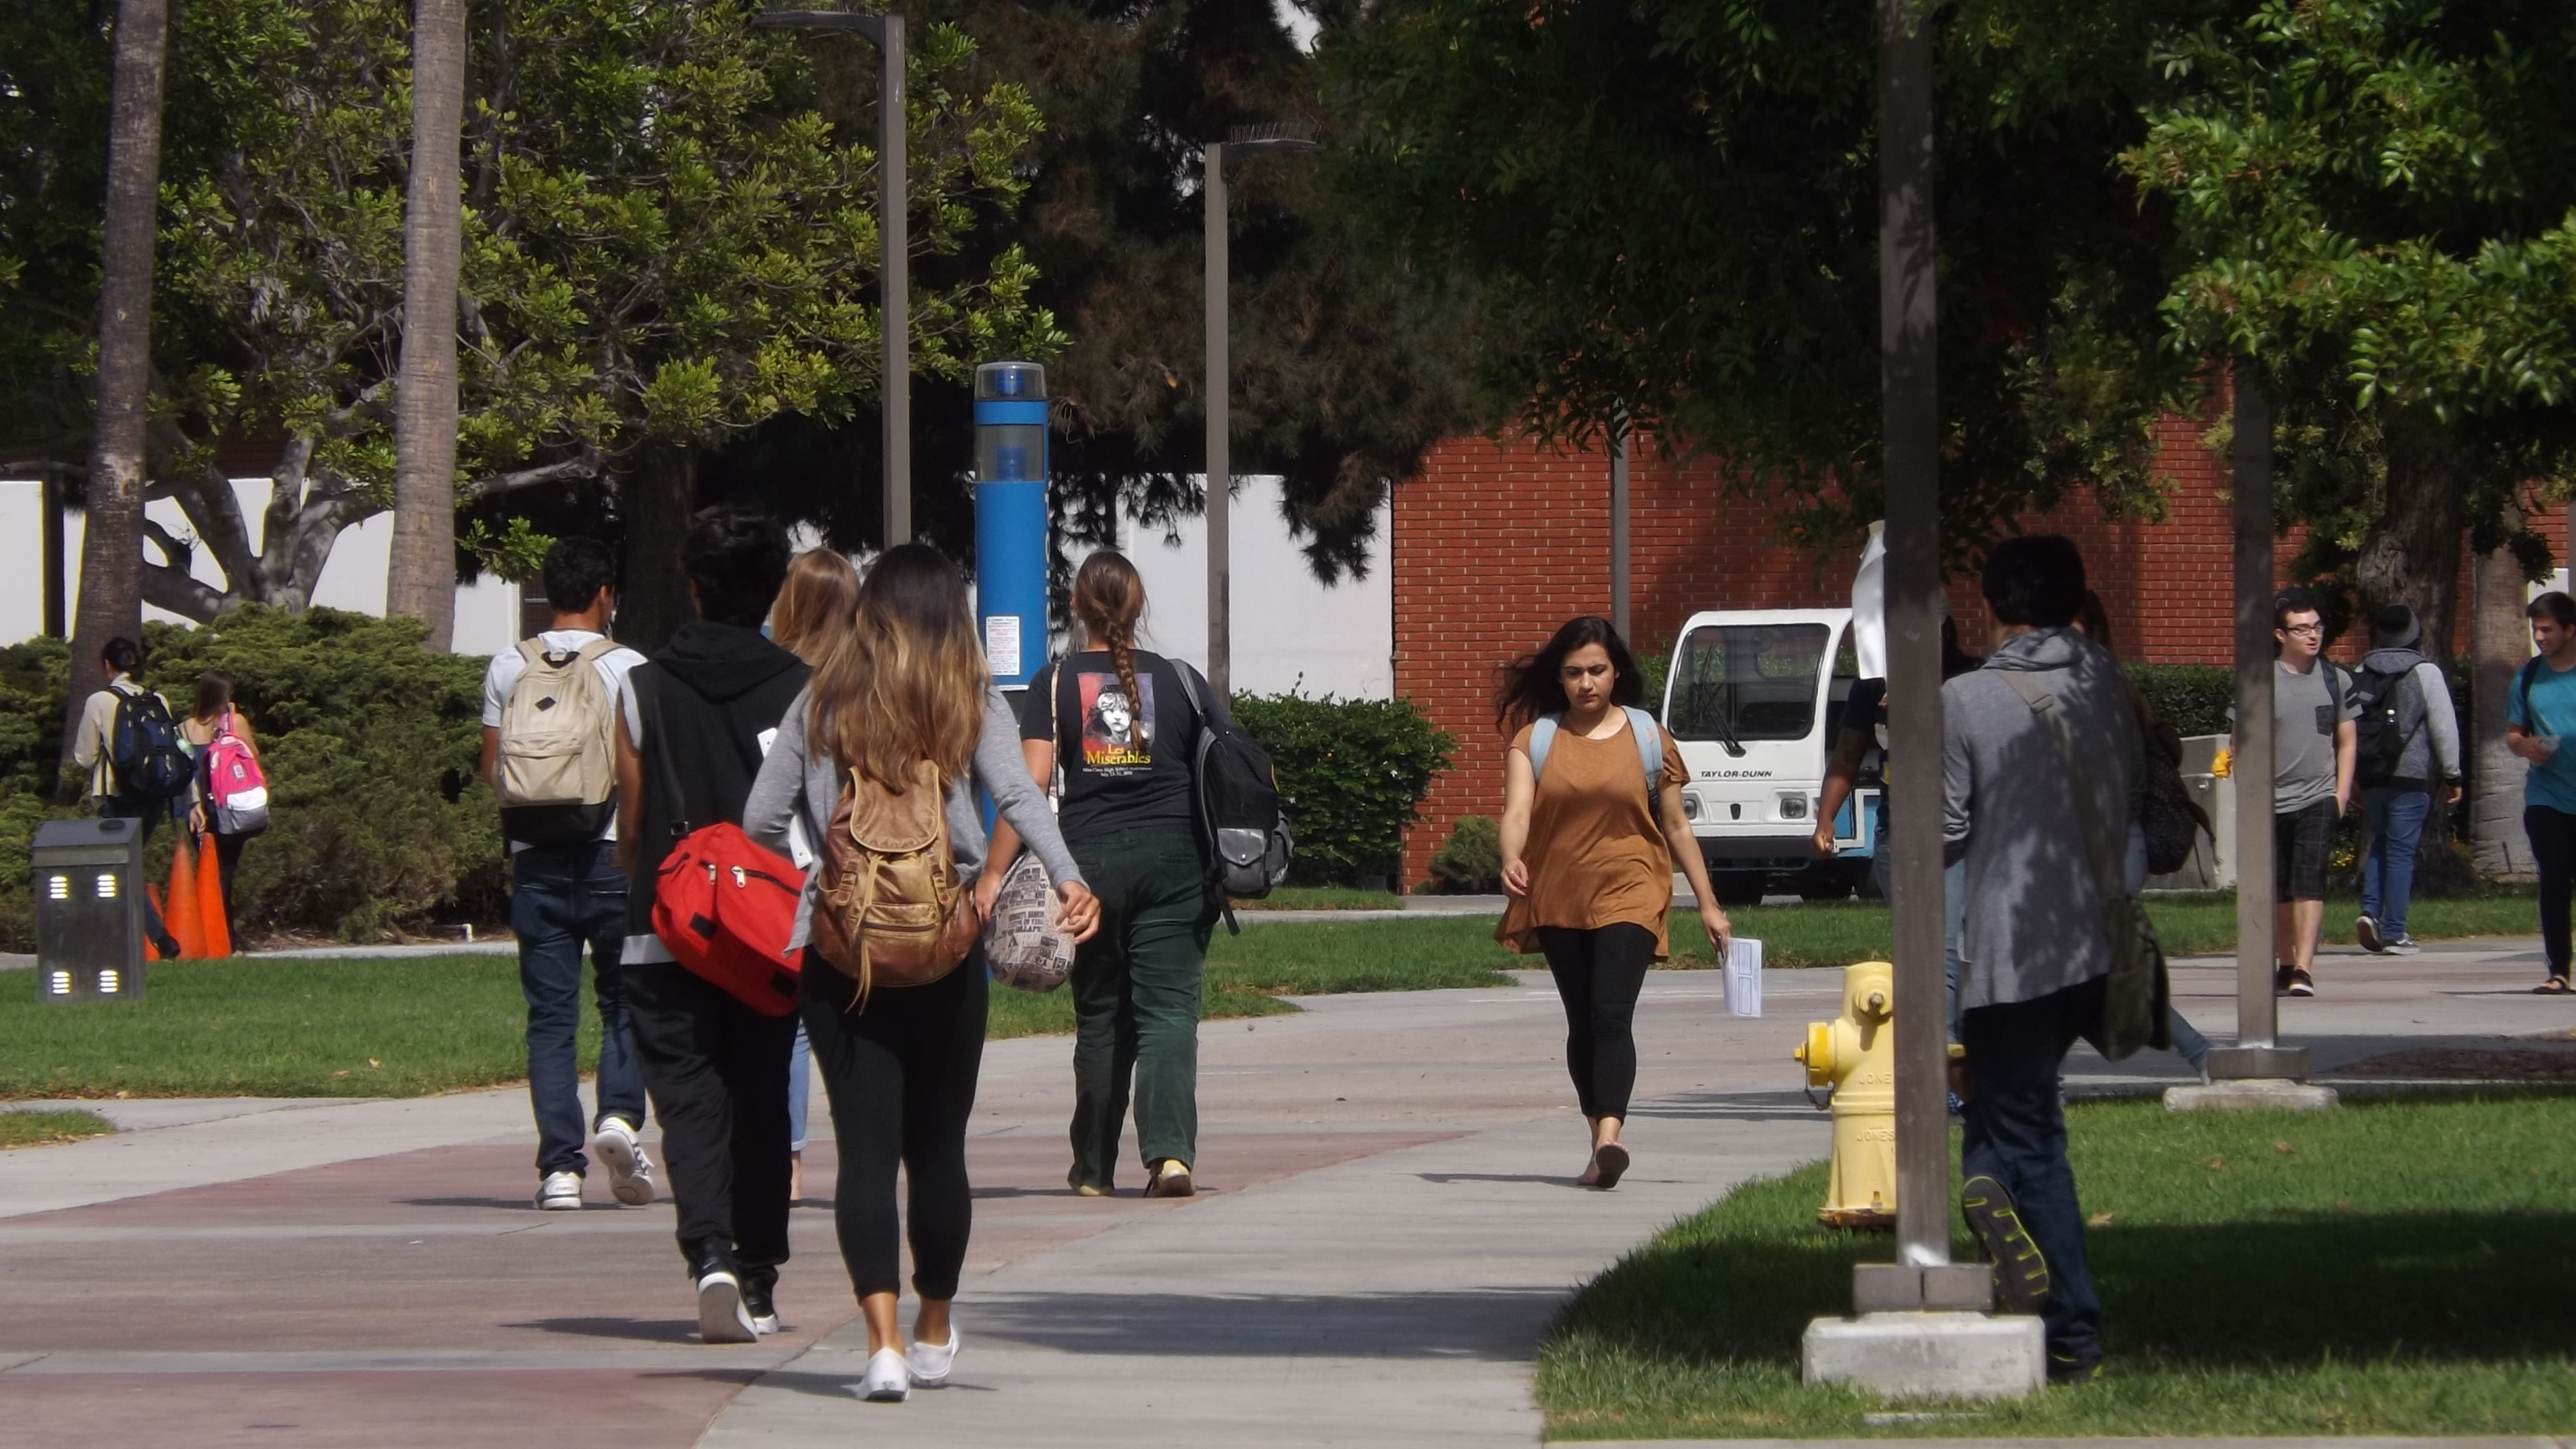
(1672, 212)
(2375, 208)
(1349, 362)
(421, 580)
(667, 242)
(111, 594)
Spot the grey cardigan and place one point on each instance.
(799, 782)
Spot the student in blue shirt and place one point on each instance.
(2539, 711)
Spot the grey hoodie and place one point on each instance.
(2034, 923)
(2424, 717)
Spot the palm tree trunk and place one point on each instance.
(657, 499)
(2499, 641)
(2412, 555)
(111, 579)
(421, 582)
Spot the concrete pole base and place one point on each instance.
(2257, 1094)
(1929, 1355)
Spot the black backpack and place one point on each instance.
(1240, 822)
(2380, 743)
(151, 766)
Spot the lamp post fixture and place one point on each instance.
(1270, 136)
(894, 234)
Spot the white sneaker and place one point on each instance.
(630, 1172)
(560, 1192)
(930, 1362)
(888, 1379)
(721, 1316)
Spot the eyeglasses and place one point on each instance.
(2317, 628)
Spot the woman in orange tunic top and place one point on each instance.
(1588, 857)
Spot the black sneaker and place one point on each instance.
(2074, 1368)
(722, 1317)
(2280, 979)
(2301, 983)
(2366, 931)
(2021, 1272)
(759, 1285)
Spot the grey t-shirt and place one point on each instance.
(2304, 717)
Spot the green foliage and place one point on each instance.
(2374, 207)
(2193, 698)
(1470, 861)
(1673, 209)
(1352, 774)
(377, 822)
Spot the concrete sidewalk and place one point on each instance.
(1388, 1229)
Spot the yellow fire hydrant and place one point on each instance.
(1854, 1056)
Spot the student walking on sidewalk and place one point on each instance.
(814, 609)
(551, 700)
(2407, 746)
(136, 764)
(1120, 722)
(698, 717)
(2540, 710)
(900, 701)
(2313, 709)
(1592, 831)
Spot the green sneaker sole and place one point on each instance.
(2021, 1271)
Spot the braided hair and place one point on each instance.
(1109, 599)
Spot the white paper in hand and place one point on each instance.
(1743, 977)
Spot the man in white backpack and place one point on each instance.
(550, 754)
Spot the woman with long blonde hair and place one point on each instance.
(815, 607)
(904, 685)
(1119, 720)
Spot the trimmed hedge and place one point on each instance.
(1470, 861)
(377, 822)
(2193, 698)
(1352, 774)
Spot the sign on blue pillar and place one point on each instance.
(1011, 518)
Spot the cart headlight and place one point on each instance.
(1793, 807)
(1690, 805)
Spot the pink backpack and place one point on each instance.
(235, 788)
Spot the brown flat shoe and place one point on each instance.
(1612, 1160)
(1171, 1179)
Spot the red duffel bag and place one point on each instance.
(726, 907)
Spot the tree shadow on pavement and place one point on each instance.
(1497, 1324)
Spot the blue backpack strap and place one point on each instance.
(1650, 747)
(1542, 735)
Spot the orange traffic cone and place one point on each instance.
(152, 893)
(181, 918)
(217, 930)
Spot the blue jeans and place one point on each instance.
(562, 897)
(2016, 1134)
(2388, 862)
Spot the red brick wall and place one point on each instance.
(1496, 545)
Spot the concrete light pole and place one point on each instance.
(894, 234)
(1270, 136)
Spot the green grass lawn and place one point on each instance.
(36, 1129)
(1323, 898)
(2395, 1267)
(376, 1028)
(1837, 933)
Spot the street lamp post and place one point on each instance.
(894, 236)
(1273, 136)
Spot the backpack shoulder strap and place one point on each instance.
(2522, 687)
(2334, 686)
(1650, 747)
(531, 653)
(1542, 735)
(1190, 691)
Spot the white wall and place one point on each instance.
(353, 578)
(1290, 631)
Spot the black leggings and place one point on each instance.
(1598, 975)
(2553, 850)
(901, 1076)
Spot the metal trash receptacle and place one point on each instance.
(89, 910)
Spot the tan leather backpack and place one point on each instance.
(892, 910)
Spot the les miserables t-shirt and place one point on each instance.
(1126, 762)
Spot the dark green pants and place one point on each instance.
(1136, 998)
